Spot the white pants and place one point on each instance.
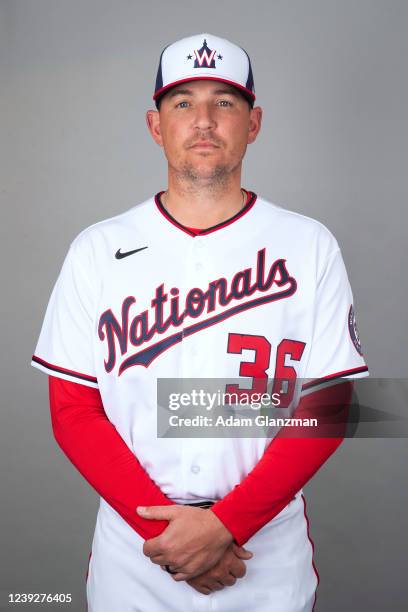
(280, 577)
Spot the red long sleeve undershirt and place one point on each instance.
(287, 464)
(92, 443)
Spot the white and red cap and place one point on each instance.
(204, 56)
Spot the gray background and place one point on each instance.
(76, 80)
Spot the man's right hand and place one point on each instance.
(224, 573)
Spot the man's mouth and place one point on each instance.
(205, 145)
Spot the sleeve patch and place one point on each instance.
(352, 325)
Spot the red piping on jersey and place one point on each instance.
(55, 368)
(87, 569)
(312, 543)
(251, 199)
(318, 381)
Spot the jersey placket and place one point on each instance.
(195, 274)
(195, 363)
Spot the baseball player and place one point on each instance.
(204, 279)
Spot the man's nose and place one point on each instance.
(204, 117)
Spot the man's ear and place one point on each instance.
(255, 122)
(153, 125)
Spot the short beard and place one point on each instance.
(216, 180)
(218, 173)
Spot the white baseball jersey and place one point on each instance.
(138, 298)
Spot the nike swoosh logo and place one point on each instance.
(120, 255)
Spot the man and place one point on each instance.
(203, 280)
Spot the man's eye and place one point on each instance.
(222, 102)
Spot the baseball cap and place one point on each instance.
(204, 56)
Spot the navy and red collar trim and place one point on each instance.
(251, 199)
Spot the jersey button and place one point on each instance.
(195, 469)
(199, 266)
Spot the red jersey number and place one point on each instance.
(285, 375)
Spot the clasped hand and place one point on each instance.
(197, 546)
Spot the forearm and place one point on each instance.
(92, 443)
(286, 466)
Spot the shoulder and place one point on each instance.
(301, 230)
(99, 238)
(91, 252)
